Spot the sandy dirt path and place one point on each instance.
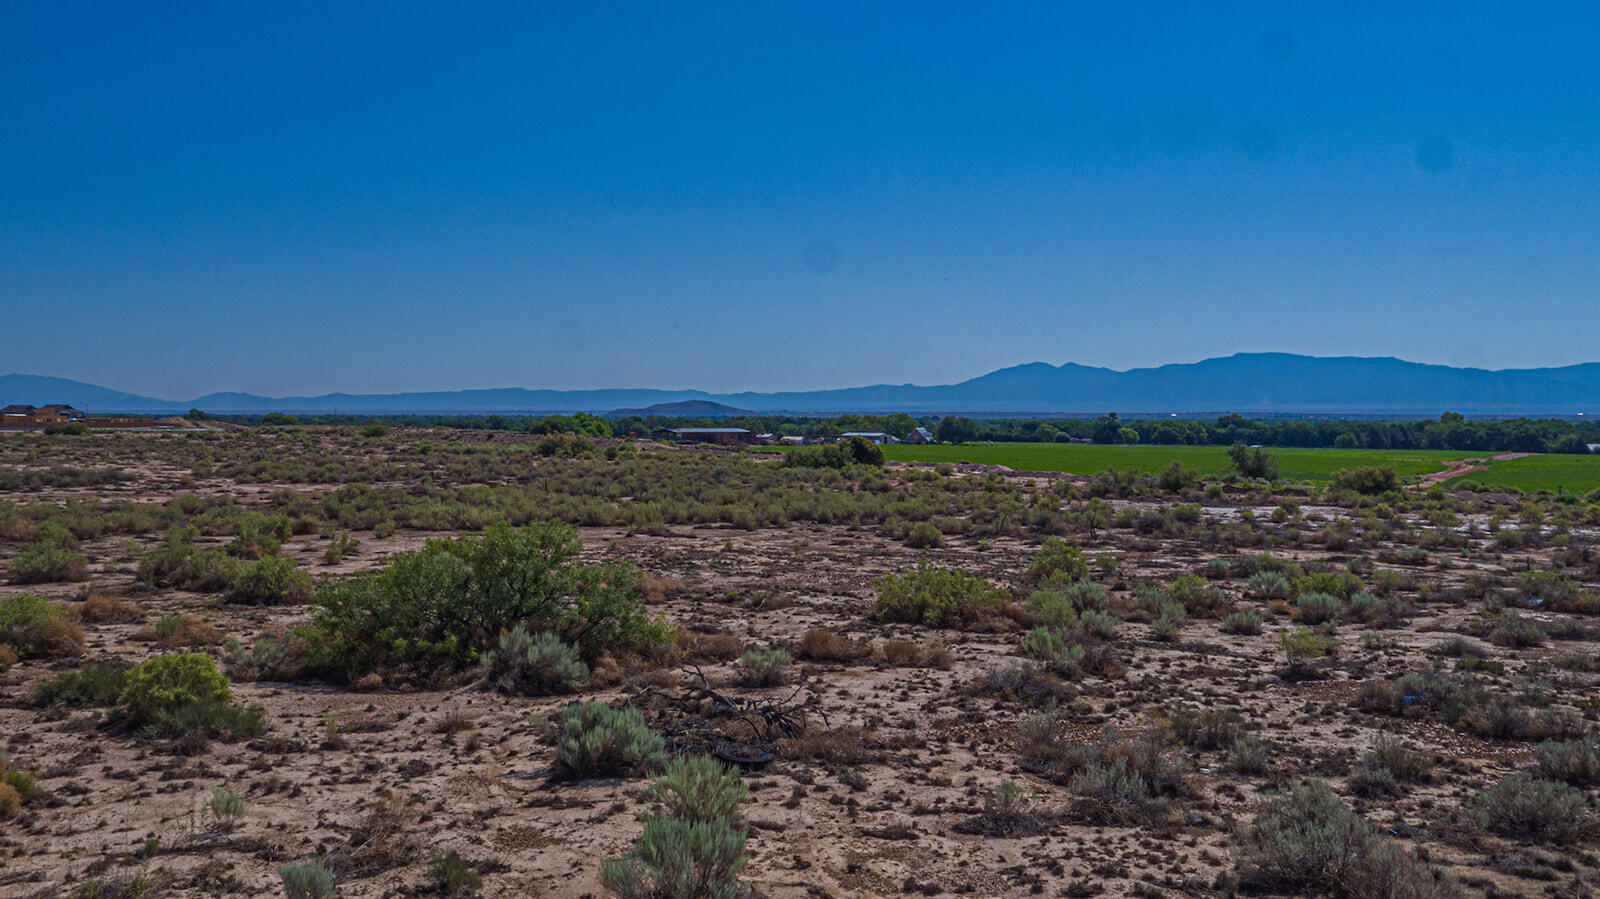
(1455, 468)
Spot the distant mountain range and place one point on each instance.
(1244, 383)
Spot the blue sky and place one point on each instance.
(300, 198)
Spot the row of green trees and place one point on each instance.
(1450, 431)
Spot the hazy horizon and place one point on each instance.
(395, 198)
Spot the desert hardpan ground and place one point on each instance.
(967, 682)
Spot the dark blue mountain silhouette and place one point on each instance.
(1246, 382)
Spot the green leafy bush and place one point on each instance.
(833, 455)
(863, 451)
(182, 693)
(534, 665)
(66, 429)
(1196, 596)
(1188, 513)
(1302, 645)
(1175, 478)
(95, 684)
(47, 562)
(596, 740)
(1371, 480)
(1058, 561)
(35, 628)
(257, 535)
(202, 719)
(1052, 608)
(923, 535)
(1253, 462)
(171, 680)
(270, 580)
(443, 605)
(177, 562)
(829, 456)
(1340, 584)
(18, 781)
(937, 597)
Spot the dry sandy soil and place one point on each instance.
(463, 769)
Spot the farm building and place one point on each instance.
(792, 440)
(919, 435)
(877, 437)
(720, 436)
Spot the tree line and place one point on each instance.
(1451, 431)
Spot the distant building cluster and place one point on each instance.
(25, 417)
(744, 437)
(19, 414)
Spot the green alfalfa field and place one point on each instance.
(1544, 472)
(1547, 472)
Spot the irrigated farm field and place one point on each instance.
(1547, 472)
(779, 681)
(1574, 474)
